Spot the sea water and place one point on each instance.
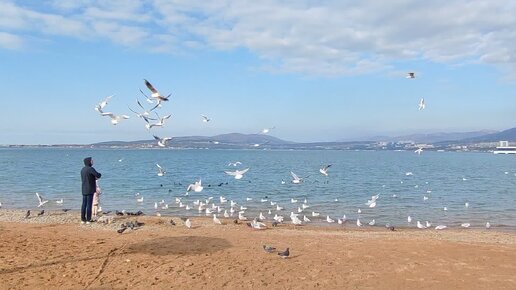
(486, 182)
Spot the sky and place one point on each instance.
(315, 70)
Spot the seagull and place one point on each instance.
(315, 214)
(155, 94)
(359, 224)
(234, 163)
(329, 220)
(266, 130)
(409, 219)
(41, 200)
(411, 75)
(115, 119)
(145, 113)
(466, 204)
(216, 220)
(196, 186)
(488, 225)
(373, 204)
(440, 227)
(465, 225)
(296, 220)
(359, 211)
(238, 174)
(161, 170)
(162, 142)
(324, 170)
(428, 224)
(284, 254)
(419, 151)
(205, 119)
(187, 222)
(160, 123)
(269, 249)
(293, 200)
(59, 201)
(420, 225)
(422, 104)
(296, 179)
(305, 219)
(100, 106)
(371, 223)
(139, 199)
(262, 217)
(258, 225)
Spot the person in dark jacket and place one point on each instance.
(89, 177)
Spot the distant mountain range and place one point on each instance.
(239, 141)
(434, 137)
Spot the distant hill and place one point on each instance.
(433, 137)
(506, 135)
(223, 140)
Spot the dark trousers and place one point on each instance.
(87, 202)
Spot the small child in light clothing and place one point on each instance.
(96, 200)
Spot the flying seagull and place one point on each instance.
(115, 119)
(205, 119)
(267, 130)
(196, 186)
(155, 94)
(324, 170)
(422, 104)
(238, 174)
(162, 142)
(411, 75)
(100, 106)
(419, 151)
(161, 170)
(41, 200)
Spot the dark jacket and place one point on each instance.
(88, 176)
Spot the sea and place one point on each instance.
(474, 188)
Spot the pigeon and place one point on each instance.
(172, 222)
(27, 215)
(324, 170)
(42, 212)
(411, 75)
(284, 254)
(269, 249)
(121, 230)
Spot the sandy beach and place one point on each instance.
(54, 251)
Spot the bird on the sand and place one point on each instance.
(284, 254)
(268, 249)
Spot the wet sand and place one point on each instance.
(54, 251)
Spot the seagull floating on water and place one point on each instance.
(161, 170)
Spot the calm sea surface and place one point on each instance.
(486, 181)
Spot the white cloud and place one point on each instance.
(310, 37)
(10, 41)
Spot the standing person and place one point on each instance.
(89, 178)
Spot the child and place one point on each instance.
(96, 200)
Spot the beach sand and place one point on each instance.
(55, 252)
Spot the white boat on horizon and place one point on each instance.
(504, 148)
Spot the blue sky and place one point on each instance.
(317, 71)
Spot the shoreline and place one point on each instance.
(57, 252)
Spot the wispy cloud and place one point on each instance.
(321, 38)
(10, 41)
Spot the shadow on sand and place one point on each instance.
(187, 245)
